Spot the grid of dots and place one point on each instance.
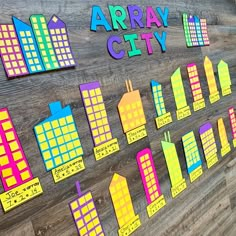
(208, 141)
(158, 98)
(121, 200)
(186, 30)
(85, 216)
(14, 168)
(10, 50)
(172, 162)
(44, 42)
(224, 76)
(29, 46)
(222, 133)
(191, 151)
(96, 112)
(204, 32)
(131, 111)
(178, 89)
(61, 42)
(210, 76)
(194, 82)
(59, 141)
(149, 176)
(232, 121)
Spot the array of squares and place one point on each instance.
(57, 137)
(32, 49)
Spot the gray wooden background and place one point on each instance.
(207, 207)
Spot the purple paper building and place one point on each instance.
(96, 112)
(61, 44)
(85, 214)
(11, 54)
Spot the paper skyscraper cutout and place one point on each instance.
(15, 172)
(177, 181)
(85, 214)
(123, 206)
(28, 50)
(163, 117)
(208, 144)
(198, 100)
(224, 77)
(132, 114)
(232, 119)
(28, 46)
(59, 142)
(225, 146)
(192, 156)
(11, 54)
(94, 106)
(195, 31)
(151, 185)
(211, 81)
(182, 108)
(60, 40)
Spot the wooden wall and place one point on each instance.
(207, 207)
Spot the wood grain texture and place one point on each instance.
(208, 206)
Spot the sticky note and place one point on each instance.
(211, 81)
(11, 54)
(131, 112)
(58, 137)
(28, 46)
(44, 42)
(224, 77)
(182, 107)
(14, 167)
(85, 214)
(123, 205)
(195, 31)
(208, 144)
(225, 146)
(60, 40)
(232, 120)
(198, 100)
(192, 156)
(177, 181)
(149, 179)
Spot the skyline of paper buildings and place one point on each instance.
(85, 214)
(195, 31)
(57, 137)
(27, 49)
(14, 167)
